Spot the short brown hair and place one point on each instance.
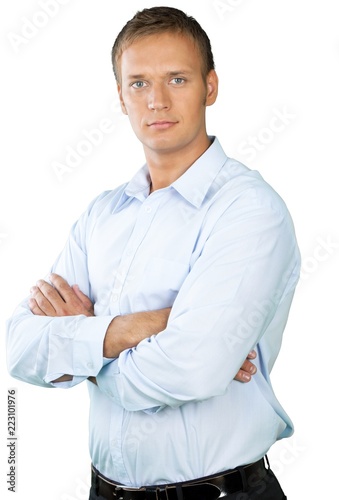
(160, 20)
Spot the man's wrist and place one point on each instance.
(113, 341)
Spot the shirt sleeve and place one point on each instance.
(238, 293)
(40, 349)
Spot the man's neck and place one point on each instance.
(165, 168)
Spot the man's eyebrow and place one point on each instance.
(136, 77)
(180, 72)
(141, 76)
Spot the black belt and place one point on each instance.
(210, 487)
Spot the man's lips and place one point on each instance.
(162, 124)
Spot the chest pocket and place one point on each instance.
(162, 280)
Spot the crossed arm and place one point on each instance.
(124, 332)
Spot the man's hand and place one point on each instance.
(59, 299)
(247, 369)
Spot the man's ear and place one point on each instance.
(212, 83)
(122, 104)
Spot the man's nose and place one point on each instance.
(159, 98)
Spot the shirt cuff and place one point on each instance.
(79, 352)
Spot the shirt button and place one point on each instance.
(90, 365)
(148, 209)
(115, 297)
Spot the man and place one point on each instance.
(164, 286)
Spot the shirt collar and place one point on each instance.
(193, 185)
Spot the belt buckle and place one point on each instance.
(159, 493)
(156, 493)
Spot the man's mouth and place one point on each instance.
(162, 124)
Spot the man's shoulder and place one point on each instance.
(239, 184)
(106, 200)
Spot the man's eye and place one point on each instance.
(178, 80)
(138, 85)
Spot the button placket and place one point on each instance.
(122, 274)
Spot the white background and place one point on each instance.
(272, 57)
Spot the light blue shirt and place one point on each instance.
(218, 245)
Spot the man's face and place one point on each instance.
(163, 92)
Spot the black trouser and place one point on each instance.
(268, 488)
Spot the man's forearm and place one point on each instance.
(125, 332)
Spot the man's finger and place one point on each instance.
(61, 285)
(35, 309)
(73, 302)
(252, 355)
(58, 298)
(246, 371)
(249, 367)
(82, 297)
(51, 301)
(42, 300)
(243, 376)
(49, 291)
